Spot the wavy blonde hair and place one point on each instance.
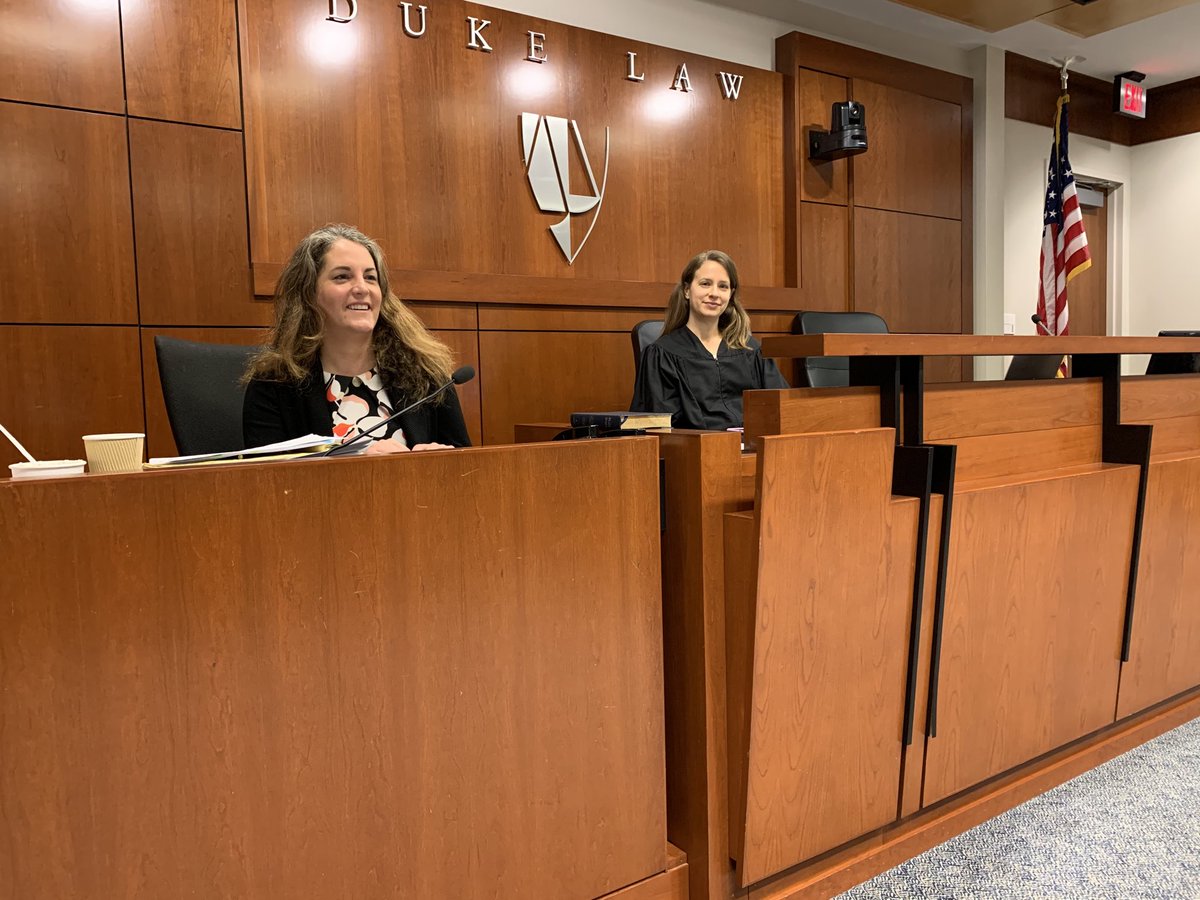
(406, 354)
(734, 322)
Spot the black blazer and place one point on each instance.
(279, 410)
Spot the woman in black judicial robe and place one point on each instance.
(345, 353)
(706, 356)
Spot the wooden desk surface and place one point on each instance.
(799, 345)
(428, 675)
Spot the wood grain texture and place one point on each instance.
(984, 15)
(549, 318)
(62, 53)
(65, 214)
(157, 34)
(453, 147)
(914, 163)
(832, 344)
(825, 256)
(669, 885)
(189, 201)
(702, 481)
(1164, 651)
(1031, 639)
(809, 410)
(1017, 454)
(544, 377)
(1171, 110)
(822, 181)
(1005, 407)
(823, 629)
(903, 272)
(1089, 22)
(1145, 398)
(1089, 289)
(331, 719)
(159, 440)
(1175, 436)
(62, 382)
(1031, 89)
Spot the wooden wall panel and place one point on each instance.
(823, 181)
(206, 696)
(62, 53)
(1031, 640)
(1171, 110)
(1164, 650)
(65, 221)
(1031, 89)
(465, 346)
(449, 122)
(914, 160)
(189, 200)
(544, 377)
(158, 34)
(907, 269)
(825, 246)
(62, 382)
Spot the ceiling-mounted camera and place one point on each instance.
(847, 133)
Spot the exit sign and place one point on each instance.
(1130, 97)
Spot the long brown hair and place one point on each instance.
(734, 322)
(407, 356)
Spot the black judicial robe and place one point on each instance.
(678, 375)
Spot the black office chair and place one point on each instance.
(201, 385)
(644, 333)
(1174, 363)
(833, 371)
(1033, 366)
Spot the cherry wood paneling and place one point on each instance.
(65, 220)
(1004, 407)
(914, 162)
(543, 318)
(1171, 110)
(445, 137)
(808, 410)
(446, 316)
(62, 382)
(544, 377)
(62, 53)
(907, 269)
(1031, 90)
(1164, 650)
(159, 441)
(189, 200)
(1031, 640)
(1089, 289)
(1144, 399)
(158, 34)
(805, 777)
(823, 181)
(209, 692)
(1018, 454)
(824, 248)
(984, 14)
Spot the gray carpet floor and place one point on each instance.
(1127, 829)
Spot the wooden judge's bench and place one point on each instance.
(509, 672)
(915, 606)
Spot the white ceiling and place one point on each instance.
(1166, 47)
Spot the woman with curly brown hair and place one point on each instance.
(345, 353)
(706, 356)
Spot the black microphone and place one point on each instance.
(461, 375)
(1038, 320)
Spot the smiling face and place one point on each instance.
(348, 291)
(709, 292)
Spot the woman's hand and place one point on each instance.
(433, 447)
(381, 448)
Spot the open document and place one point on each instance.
(310, 444)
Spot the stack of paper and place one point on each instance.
(308, 445)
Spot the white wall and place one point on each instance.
(1164, 262)
(1026, 155)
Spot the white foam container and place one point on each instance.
(47, 468)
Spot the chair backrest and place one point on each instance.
(1030, 367)
(833, 371)
(202, 389)
(644, 333)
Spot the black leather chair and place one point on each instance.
(644, 333)
(202, 387)
(832, 371)
(1031, 367)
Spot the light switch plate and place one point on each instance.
(1010, 323)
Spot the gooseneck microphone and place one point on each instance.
(1040, 322)
(461, 376)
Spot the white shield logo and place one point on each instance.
(546, 143)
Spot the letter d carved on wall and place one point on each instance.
(546, 141)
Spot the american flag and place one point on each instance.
(1064, 245)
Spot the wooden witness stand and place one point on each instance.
(431, 675)
(918, 606)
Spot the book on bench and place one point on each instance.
(621, 421)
